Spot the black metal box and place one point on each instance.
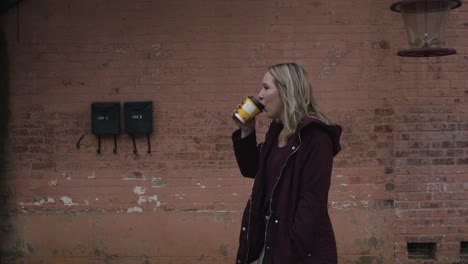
(138, 117)
(105, 118)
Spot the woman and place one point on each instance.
(286, 219)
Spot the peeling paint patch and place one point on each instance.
(343, 205)
(53, 183)
(66, 175)
(154, 198)
(223, 217)
(139, 190)
(383, 44)
(369, 72)
(331, 62)
(154, 72)
(150, 199)
(158, 51)
(118, 47)
(134, 176)
(181, 196)
(319, 43)
(158, 182)
(92, 176)
(45, 201)
(67, 201)
(141, 200)
(134, 210)
(41, 202)
(369, 260)
(256, 54)
(223, 250)
(398, 212)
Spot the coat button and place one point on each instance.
(243, 228)
(268, 248)
(276, 221)
(309, 255)
(238, 261)
(293, 147)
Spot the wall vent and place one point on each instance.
(464, 249)
(421, 250)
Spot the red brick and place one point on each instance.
(400, 176)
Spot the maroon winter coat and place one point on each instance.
(298, 229)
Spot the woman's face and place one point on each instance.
(270, 97)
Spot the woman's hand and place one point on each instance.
(247, 128)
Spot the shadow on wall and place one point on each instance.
(7, 4)
(5, 225)
(9, 251)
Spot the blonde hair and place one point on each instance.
(295, 90)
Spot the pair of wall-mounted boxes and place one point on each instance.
(105, 120)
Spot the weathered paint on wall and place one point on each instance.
(401, 176)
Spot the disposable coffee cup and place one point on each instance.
(249, 108)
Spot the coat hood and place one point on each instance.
(333, 130)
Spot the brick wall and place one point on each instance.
(401, 177)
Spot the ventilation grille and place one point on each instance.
(421, 250)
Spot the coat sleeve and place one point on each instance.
(247, 153)
(311, 221)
